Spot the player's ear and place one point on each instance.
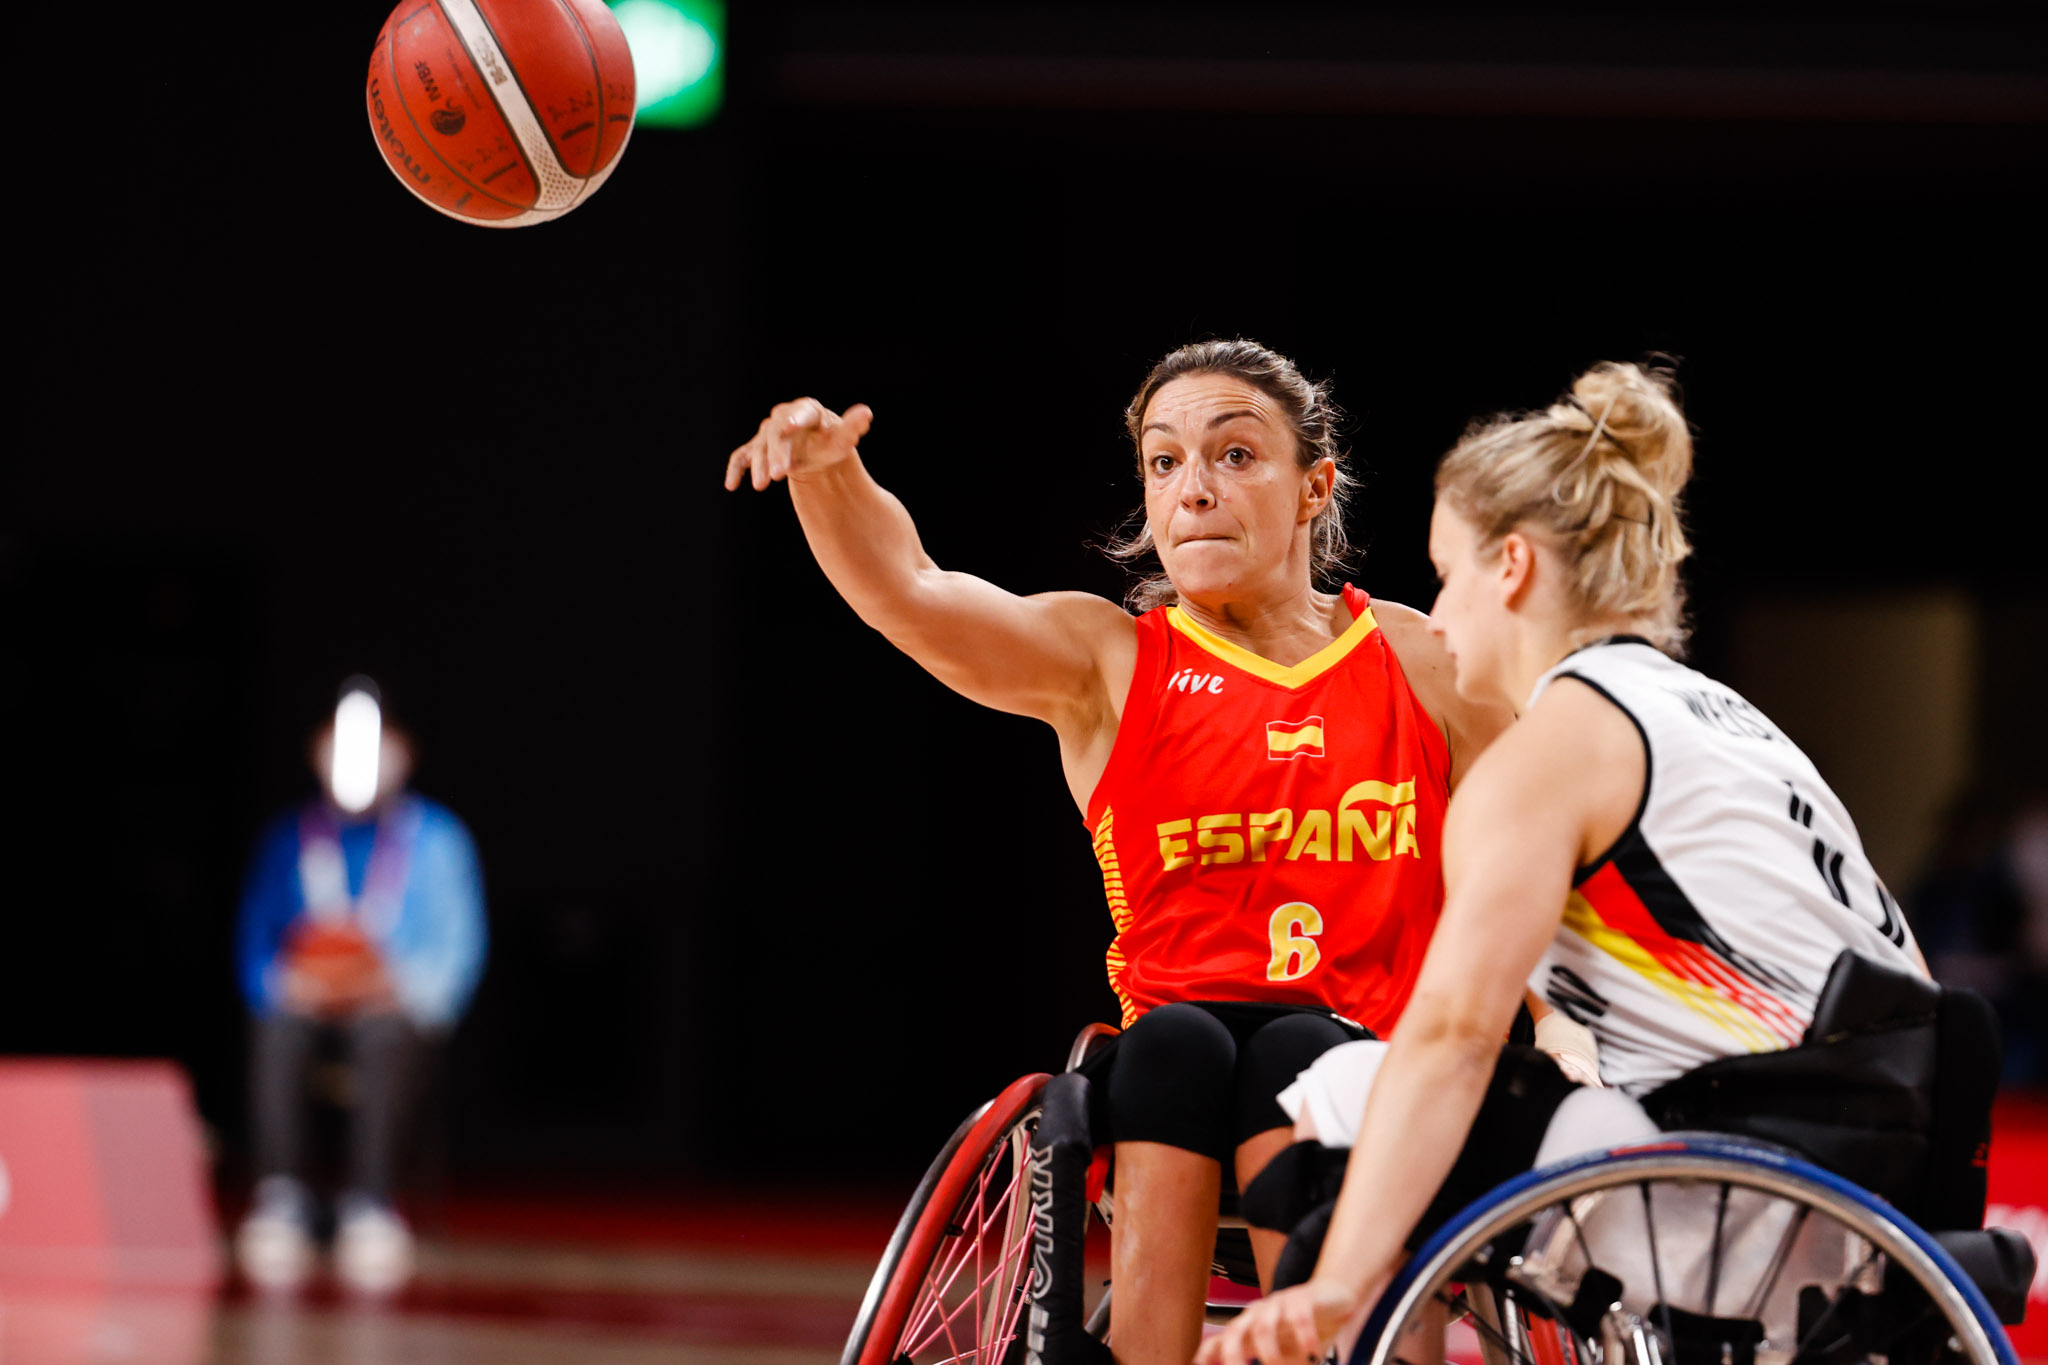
(1515, 568)
(1317, 485)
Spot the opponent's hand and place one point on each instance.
(1572, 1046)
(1579, 1069)
(797, 438)
(1295, 1326)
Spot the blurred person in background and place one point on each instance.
(1982, 912)
(362, 917)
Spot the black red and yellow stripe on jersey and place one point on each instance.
(1629, 908)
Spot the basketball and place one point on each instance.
(336, 959)
(501, 112)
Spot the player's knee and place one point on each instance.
(1272, 1058)
(1173, 1081)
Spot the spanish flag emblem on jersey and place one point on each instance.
(1287, 739)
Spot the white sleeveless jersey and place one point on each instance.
(1708, 929)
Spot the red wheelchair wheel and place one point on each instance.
(951, 1285)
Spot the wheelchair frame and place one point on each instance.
(923, 1295)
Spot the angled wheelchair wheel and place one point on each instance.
(950, 1287)
(1693, 1250)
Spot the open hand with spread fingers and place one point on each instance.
(797, 438)
(1296, 1326)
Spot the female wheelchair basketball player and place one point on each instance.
(1262, 767)
(1643, 847)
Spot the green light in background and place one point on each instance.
(678, 58)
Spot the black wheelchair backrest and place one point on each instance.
(1863, 995)
(1967, 1066)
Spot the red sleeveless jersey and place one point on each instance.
(1269, 833)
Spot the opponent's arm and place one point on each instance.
(1513, 836)
(1044, 656)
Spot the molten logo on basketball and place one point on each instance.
(396, 153)
(447, 122)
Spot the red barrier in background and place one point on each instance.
(103, 1178)
(2019, 1200)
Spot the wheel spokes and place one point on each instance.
(942, 1319)
(987, 1300)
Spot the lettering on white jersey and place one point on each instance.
(1728, 713)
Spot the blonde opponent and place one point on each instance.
(1642, 847)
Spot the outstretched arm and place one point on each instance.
(1053, 656)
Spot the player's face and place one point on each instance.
(1227, 500)
(1468, 615)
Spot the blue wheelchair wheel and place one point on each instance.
(1691, 1250)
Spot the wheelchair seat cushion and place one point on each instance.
(1859, 1104)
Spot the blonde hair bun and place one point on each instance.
(1601, 471)
(1637, 405)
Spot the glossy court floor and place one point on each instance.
(715, 1280)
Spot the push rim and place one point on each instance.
(1675, 1160)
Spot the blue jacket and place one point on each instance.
(434, 946)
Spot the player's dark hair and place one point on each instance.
(1310, 415)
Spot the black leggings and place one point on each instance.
(1202, 1076)
(383, 1050)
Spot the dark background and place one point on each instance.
(761, 892)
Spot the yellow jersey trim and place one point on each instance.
(1301, 674)
(1119, 910)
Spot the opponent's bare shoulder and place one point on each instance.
(1468, 727)
(1576, 730)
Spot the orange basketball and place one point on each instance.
(337, 958)
(501, 112)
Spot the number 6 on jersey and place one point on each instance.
(1293, 932)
